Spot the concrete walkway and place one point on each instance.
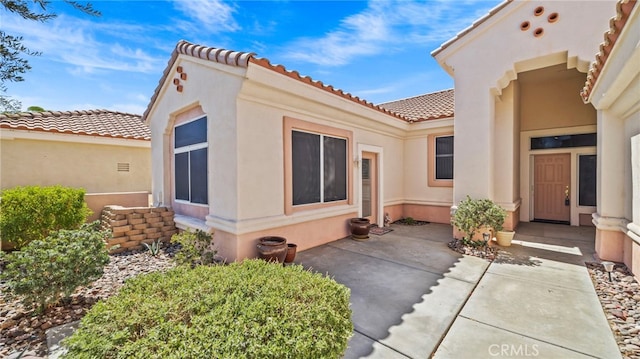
(412, 297)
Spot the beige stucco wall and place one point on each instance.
(422, 200)
(483, 68)
(57, 159)
(615, 96)
(553, 102)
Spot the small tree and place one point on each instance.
(196, 248)
(45, 271)
(473, 214)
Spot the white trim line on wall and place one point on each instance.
(8, 134)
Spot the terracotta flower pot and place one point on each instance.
(359, 228)
(272, 249)
(504, 238)
(291, 252)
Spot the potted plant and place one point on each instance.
(472, 215)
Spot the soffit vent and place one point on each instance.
(123, 167)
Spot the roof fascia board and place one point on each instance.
(12, 134)
(611, 83)
(474, 30)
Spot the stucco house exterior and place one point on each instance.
(613, 88)
(107, 153)
(248, 148)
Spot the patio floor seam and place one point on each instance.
(526, 336)
(464, 303)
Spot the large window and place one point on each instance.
(190, 150)
(319, 168)
(587, 180)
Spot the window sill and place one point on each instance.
(190, 223)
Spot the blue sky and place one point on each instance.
(377, 50)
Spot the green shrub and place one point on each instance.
(44, 270)
(30, 213)
(195, 248)
(252, 309)
(473, 214)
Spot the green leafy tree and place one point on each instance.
(12, 50)
(8, 104)
(35, 109)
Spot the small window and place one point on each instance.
(587, 173)
(190, 162)
(444, 158)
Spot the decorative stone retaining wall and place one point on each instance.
(132, 226)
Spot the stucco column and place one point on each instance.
(506, 147)
(609, 219)
(473, 140)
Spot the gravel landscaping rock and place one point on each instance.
(22, 328)
(488, 252)
(619, 299)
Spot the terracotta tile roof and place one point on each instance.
(431, 106)
(242, 59)
(471, 28)
(616, 24)
(101, 123)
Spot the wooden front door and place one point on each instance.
(552, 186)
(369, 186)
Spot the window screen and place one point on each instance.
(444, 158)
(587, 180)
(306, 167)
(198, 175)
(182, 175)
(335, 169)
(191, 133)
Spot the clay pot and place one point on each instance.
(272, 249)
(359, 228)
(291, 252)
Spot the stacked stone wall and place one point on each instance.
(132, 226)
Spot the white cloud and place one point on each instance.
(73, 42)
(386, 26)
(213, 15)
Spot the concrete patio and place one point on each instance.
(413, 297)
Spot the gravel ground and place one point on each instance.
(20, 327)
(620, 299)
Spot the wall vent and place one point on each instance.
(123, 167)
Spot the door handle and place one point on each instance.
(567, 201)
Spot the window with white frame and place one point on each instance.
(190, 155)
(319, 168)
(444, 158)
